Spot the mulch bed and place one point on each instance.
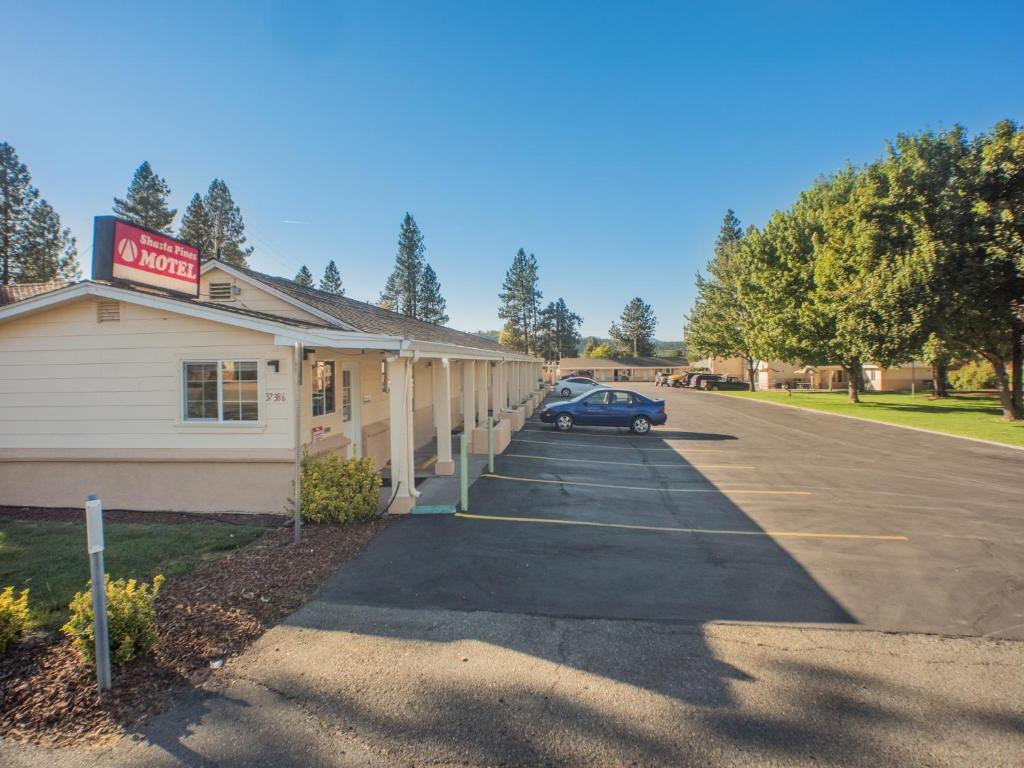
(48, 695)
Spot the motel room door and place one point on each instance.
(351, 401)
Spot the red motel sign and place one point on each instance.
(133, 254)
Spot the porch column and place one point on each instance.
(400, 416)
(468, 399)
(496, 402)
(443, 417)
(481, 392)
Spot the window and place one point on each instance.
(621, 398)
(601, 398)
(226, 390)
(346, 395)
(323, 387)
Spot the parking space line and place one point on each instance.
(610, 447)
(630, 463)
(746, 491)
(705, 531)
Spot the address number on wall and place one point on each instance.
(275, 397)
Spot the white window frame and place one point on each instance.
(183, 371)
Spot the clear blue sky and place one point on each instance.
(606, 138)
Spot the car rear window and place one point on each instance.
(621, 397)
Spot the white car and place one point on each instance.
(574, 385)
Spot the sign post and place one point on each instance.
(94, 540)
(490, 444)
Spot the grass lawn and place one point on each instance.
(51, 560)
(966, 415)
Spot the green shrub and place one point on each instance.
(130, 617)
(13, 616)
(336, 490)
(978, 374)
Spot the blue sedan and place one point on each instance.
(606, 408)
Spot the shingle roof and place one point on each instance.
(569, 363)
(21, 291)
(229, 308)
(369, 318)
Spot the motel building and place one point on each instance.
(163, 385)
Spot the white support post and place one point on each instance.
(496, 402)
(468, 399)
(443, 417)
(481, 392)
(401, 425)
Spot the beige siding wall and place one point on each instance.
(88, 407)
(251, 297)
(67, 381)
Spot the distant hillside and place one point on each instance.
(493, 335)
(661, 348)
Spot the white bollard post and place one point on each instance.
(94, 540)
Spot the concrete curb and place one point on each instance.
(871, 421)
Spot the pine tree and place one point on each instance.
(730, 233)
(49, 251)
(33, 245)
(195, 226)
(304, 277)
(432, 303)
(146, 201)
(227, 230)
(635, 330)
(520, 302)
(17, 199)
(558, 334)
(331, 281)
(402, 290)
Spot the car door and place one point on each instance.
(581, 385)
(593, 410)
(621, 409)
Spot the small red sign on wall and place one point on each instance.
(123, 251)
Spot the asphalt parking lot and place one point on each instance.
(676, 599)
(733, 511)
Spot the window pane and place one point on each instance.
(200, 390)
(241, 390)
(346, 395)
(323, 388)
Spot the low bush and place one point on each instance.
(978, 374)
(336, 490)
(130, 615)
(13, 616)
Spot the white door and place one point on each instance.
(350, 409)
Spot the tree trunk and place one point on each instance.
(1010, 412)
(854, 372)
(750, 373)
(940, 372)
(1016, 363)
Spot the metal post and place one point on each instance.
(464, 472)
(297, 522)
(913, 380)
(101, 634)
(490, 444)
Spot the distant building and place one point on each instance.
(775, 374)
(615, 368)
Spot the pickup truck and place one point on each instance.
(723, 382)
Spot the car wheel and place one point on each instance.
(563, 422)
(566, 392)
(641, 425)
(677, 385)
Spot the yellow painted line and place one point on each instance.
(631, 463)
(610, 447)
(427, 463)
(706, 531)
(648, 488)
